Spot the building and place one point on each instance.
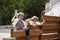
(53, 8)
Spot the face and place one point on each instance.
(34, 20)
(21, 17)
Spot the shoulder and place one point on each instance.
(38, 23)
(23, 21)
(16, 19)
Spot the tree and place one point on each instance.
(29, 7)
(6, 11)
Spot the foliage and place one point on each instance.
(29, 7)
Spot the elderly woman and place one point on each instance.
(34, 21)
(18, 22)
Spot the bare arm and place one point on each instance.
(13, 19)
(14, 16)
(43, 20)
(27, 20)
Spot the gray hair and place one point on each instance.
(34, 17)
(20, 13)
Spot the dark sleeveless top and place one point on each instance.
(19, 25)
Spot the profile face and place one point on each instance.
(21, 16)
(35, 19)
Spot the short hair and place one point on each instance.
(34, 17)
(20, 13)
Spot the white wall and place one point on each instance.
(55, 10)
(48, 5)
(53, 2)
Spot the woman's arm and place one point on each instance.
(14, 16)
(13, 19)
(27, 20)
(43, 20)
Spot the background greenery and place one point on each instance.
(29, 7)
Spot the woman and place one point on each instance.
(34, 21)
(18, 22)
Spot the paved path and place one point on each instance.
(4, 32)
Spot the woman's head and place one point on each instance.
(34, 18)
(20, 15)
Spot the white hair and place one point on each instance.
(34, 17)
(20, 13)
